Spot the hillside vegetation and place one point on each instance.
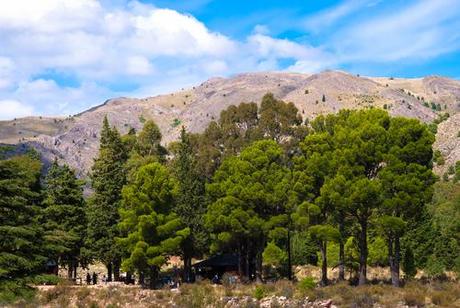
(347, 190)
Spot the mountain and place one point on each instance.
(75, 139)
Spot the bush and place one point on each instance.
(46, 280)
(15, 291)
(259, 292)
(434, 268)
(306, 284)
(438, 158)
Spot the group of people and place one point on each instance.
(91, 279)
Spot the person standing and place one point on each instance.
(88, 278)
(94, 278)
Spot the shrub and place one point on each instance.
(259, 292)
(434, 268)
(46, 280)
(176, 122)
(438, 158)
(307, 283)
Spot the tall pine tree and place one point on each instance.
(107, 179)
(21, 238)
(190, 205)
(64, 217)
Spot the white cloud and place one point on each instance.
(64, 56)
(138, 65)
(330, 16)
(14, 109)
(422, 30)
(101, 46)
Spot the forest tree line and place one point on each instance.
(345, 190)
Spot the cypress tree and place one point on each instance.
(190, 202)
(21, 238)
(107, 179)
(64, 217)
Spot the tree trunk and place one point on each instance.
(342, 252)
(240, 262)
(75, 267)
(289, 254)
(394, 262)
(153, 276)
(323, 249)
(69, 270)
(259, 265)
(187, 268)
(116, 270)
(247, 262)
(109, 271)
(141, 279)
(363, 254)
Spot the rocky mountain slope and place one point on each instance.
(75, 139)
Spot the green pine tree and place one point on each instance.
(21, 236)
(190, 205)
(151, 231)
(107, 179)
(63, 217)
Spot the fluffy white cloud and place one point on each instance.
(10, 109)
(47, 42)
(63, 56)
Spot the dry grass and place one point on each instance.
(413, 294)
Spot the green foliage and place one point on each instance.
(378, 252)
(457, 172)
(239, 126)
(45, 279)
(63, 215)
(176, 122)
(444, 236)
(151, 231)
(248, 194)
(303, 249)
(408, 264)
(107, 179)
(306, 284)
(21, 244)
(434, 267)
(362, 167)
(259, 292)
(149, 141)
(274, 255)
(190, 204)
(438, 158)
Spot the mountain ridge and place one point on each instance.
(75, 139)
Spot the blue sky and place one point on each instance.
(59, 57)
